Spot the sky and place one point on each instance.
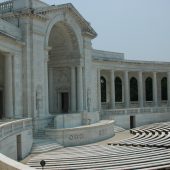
(138, 28)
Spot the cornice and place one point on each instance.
(41, 14)
(87, 29)
(27, 12)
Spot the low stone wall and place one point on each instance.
(75, 119)
(10, 133)
(83, 134)
(9, 164)
(142, 116)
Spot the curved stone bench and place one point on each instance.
(83, 134)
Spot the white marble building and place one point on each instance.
(48, 68)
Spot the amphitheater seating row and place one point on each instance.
(104, 157)
(148, 149)
(155, 135)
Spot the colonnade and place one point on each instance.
(127, 88)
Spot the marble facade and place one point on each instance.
(48, 67)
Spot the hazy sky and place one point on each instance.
(138, 28)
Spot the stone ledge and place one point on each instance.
(83, 134)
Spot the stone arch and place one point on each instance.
(118, 89)
(133, 89)
(164, 89)
(149, 89)
(63, 56)
(71, 23)
(61, 38)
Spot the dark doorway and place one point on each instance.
(103, 89)
(132, 122)
(64, 102)
(19, 148)
(1, 104)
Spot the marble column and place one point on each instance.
(99, 89)
(79, 89)
(155, 93)
(73, 90)
(126, 84)
(140, 90)
(112, 89)
(168, 83)
(8, 86)
(51, 90)
(46, 84)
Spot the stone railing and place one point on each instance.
(7, 163)
(10, 30)
(106, 114)
(10, 128)
(6, 6)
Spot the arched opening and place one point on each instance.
(64, 54)
(2, 74)
(118, 89)
(164, 89)
(133, 89)
(149, 89)
(103, 89)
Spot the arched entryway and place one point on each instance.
(164, 89)
(63, 70)
(133, 89)
(118, 89)
(103, 89)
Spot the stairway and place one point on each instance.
(44, 145)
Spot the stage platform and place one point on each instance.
(82, 135)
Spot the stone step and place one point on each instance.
(44, 145)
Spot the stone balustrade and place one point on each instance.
(131, 111)
(8, 143)
(6, 6)
(10, 30)
(10, 128)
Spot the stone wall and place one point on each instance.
(9, 132)
(9, 164)
(84, 134)
(141, 116)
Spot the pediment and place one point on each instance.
(85, 26)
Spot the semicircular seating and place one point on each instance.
(147, 149)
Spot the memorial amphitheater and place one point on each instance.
(74, 106)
